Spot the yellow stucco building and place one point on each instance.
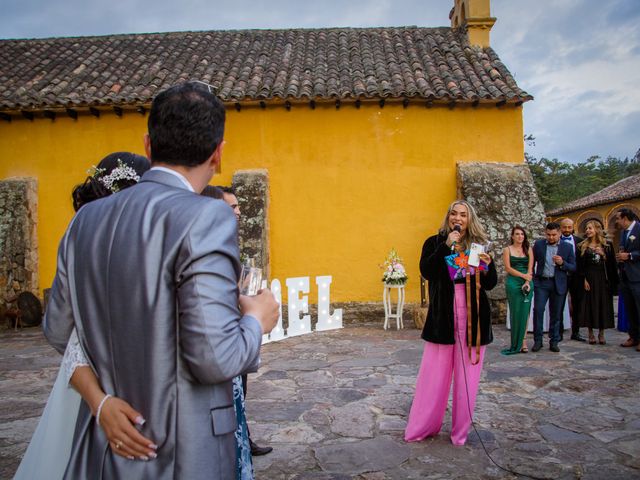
(359, 129)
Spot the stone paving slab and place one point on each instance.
(334, 405)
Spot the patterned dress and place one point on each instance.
(244, 465)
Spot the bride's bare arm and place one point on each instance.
(115, 416)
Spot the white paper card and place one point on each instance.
(474, 254)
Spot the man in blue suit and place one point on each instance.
(628, 257)
(553, 261)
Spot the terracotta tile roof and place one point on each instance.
(621, 190)
(244, 65)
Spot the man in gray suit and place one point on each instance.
(149, 279)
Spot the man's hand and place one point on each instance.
(622, 256)
(557, 259)
(263, 307)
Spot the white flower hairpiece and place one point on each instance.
(121, 172)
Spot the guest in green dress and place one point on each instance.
(518, 263)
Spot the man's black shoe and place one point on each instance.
(536, 346)
(578, 337)
(256, 451)
(554, 348)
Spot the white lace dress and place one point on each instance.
(48, 452)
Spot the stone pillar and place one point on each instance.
(503, 195)
(252, 190)
(18, 239)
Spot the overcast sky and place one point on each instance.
(580, 59)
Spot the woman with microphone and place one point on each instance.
(457, 328)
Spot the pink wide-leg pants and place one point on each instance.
(439, 364)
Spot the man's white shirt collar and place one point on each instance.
(633, 224)
(182, 178)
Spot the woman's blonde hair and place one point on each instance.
(475, 231)
(599, 237)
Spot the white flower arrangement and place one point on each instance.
(631, 238)
(111, 181)
(393, 269)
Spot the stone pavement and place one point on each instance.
(334, 405)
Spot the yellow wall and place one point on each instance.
(346, 185)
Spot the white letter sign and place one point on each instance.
(298, 303)
(325, 320)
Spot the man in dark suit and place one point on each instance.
(553, 261)
(230, 198)
(576, 284)
(628, 257)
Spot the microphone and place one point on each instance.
(456, 228)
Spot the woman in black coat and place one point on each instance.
(598, 270)
(457, 328)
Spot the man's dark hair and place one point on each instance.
(212, 192)
(552, 226)
(226, 189)
(186, 125)
(628, 214)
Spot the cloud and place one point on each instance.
(623, 12)
(575, 134)
(42, 18)
(579, 58)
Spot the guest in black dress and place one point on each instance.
(597, 266)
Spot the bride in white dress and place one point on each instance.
(48, 452)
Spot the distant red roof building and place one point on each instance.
(602, 206)
(624, 189)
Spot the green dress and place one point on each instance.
(519, 304)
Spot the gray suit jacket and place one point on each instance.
(148, 277)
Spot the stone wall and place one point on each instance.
(252, 190)
(18, 239)
(503, 195)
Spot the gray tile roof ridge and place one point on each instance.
(432, 63)
(229, 30)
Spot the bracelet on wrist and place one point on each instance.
(104, 399)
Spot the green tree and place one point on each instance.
(559, 183)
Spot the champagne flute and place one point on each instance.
(250, 279)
